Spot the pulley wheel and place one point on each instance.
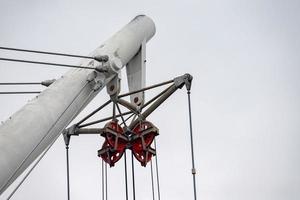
(145, 133)
(143, 156)
(110, 155)
(115, 139)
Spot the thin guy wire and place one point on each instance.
(21, 83)
(25, 92)
(157, 174)
(126, 113)
(46, 63)
(46, 52)
(133, 176)
(156, 97)
(102, 120)
(127, 118)
(146, 88)
(126, 179)
(106, 182)
(92, 113)
(192, 146)
(114, 111)
(102, 173)
(152, 181)
(68, 172)
(121, 115)
(31, 169)
(134, 118)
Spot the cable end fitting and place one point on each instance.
(185, 79)
(101, 58)
(47, 83)
(188, 81)
(193, 171)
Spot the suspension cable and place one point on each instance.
(22, 83)
(102, 177)
(157, 174)
(68, 171)
(46, 63)
(106, 195)
(152, 181)
(192, 144)
(46, 52)
(23, 92)
(114, 111)
(133, 176)
(126, 179)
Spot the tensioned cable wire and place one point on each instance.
(114, 111)
(46, 63)
(119, 110)
(152, 181)
(157, 173)
(126, 179)
(23, 92)
(22, 83)
(127, 119)
(45, 83)
(192, 144)
(105, 171)
(102, 177)
(133, 176)
(45, 52)
(68, 171)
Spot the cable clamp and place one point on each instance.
(193, 171)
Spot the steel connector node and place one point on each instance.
(101, 58)
(67, 133)
(47, 83)
(185, 79)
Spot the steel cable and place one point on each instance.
(68, 171)
(157, 172)
(152, 181)
(133, 176)
(192, 145)
(46, 63)
(45, 52)
(126, 179)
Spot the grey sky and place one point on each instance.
(244, 56)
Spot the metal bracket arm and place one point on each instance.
(179, 82)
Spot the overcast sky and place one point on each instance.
(244, 56)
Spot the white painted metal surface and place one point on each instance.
(29, 131)
(136, 75)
